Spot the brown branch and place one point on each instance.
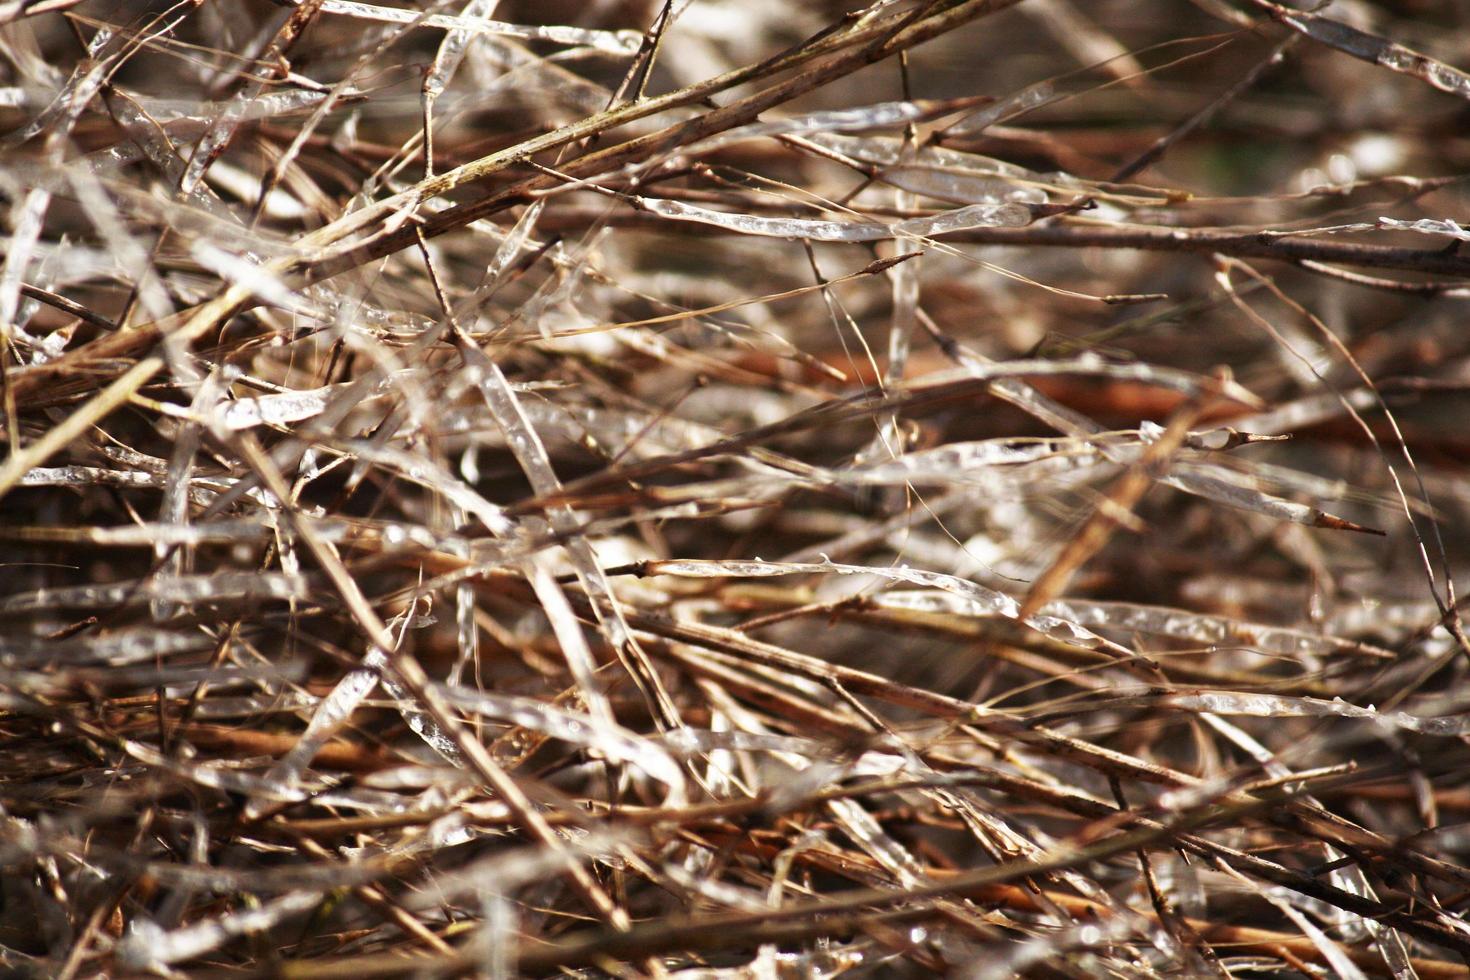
(1260, 244)
(59, 302)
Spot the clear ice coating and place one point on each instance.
(990, 600)
(1181, 624)
(1281, 706)
(181, 589)
(1372, 48)
(876, 116)
(972, 216)
(613, 42)
(114, 648)
(148, 946)
(607, 738)
(1428, 226)
(947, 184)
(1030, 97)
(332, 712)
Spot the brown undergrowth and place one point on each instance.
(716, 489)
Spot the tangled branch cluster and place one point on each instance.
(716, 489)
